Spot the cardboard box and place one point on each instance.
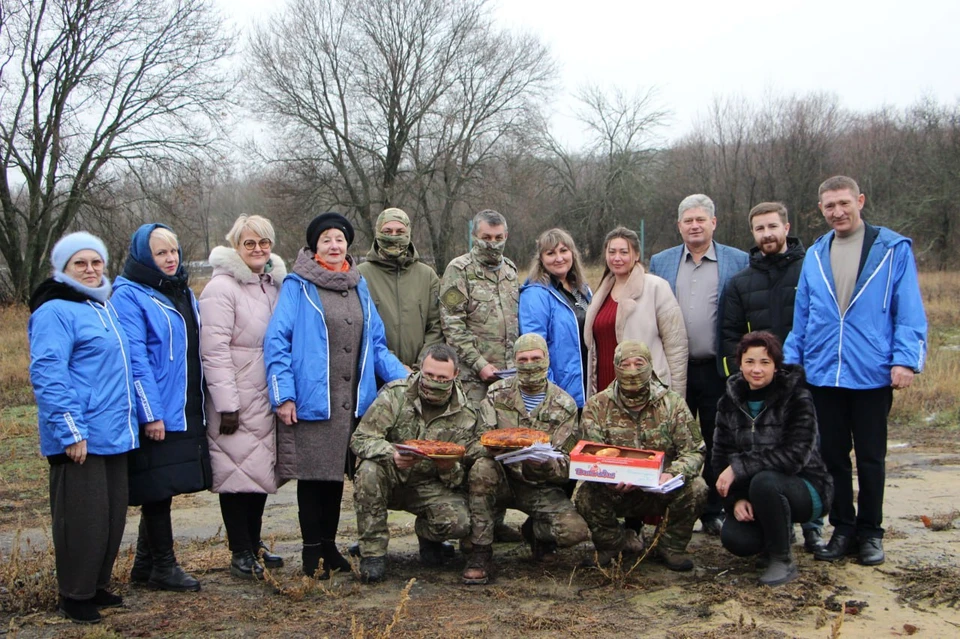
(632, 466)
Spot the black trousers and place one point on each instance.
(88, 503)
(243, 518)
(855, 420)
(319, 504)
(705, 387)
(778, 501)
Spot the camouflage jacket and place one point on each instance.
(397, 415)
(478, 312)
(665, 424)
(557, 414)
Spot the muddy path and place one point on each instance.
(719, 599)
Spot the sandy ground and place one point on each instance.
(719, 599)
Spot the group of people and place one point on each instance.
(147, 393)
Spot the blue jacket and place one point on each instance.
(81, 376)
(302, 374)
(883, 326)
(158, 347)
(544, 311)
(730, 261)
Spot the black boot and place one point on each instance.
(310, 560)
(332, 559)
(269, 559)
(244, 565)
(166, 573)
(431, 552)
(79, 611)
(142, 562)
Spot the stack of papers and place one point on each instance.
(536, 452)
(403, 449)
(665, 487)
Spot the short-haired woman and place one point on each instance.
(766, 444)
(324, 350)
(159, 314)
(235, 308)
(553, 304)
(80, 371)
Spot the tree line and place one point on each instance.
(118, 112)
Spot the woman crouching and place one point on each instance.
(766, 442)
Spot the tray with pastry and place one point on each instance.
(593, 461)
(431, 448)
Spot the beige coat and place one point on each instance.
(647, 311)
(235, 308)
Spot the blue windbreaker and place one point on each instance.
(296, 352)
(883, 326)
(81, 375)
(158, 351)
(544, 311)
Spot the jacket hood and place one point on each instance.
(50, 289)
(226, 260)
(794, 252)
(412, 256)
(140, 246)
(785, 380)
(884, 236)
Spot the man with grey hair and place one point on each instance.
(698, 271)
(479, 293)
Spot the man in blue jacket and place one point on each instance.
(698, 271)
(860, 331)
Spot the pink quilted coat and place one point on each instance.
(235, 308)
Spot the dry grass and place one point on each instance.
(28, 583)
(935, 584)
(14, 357)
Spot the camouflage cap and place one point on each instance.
(631, 348)
(530, 342)
(392, 215)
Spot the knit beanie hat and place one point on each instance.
(326, 221)
(69, 245)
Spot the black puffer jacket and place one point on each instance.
(760, 298)
(783, 437)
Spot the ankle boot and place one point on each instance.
(166, 573)
(332, 559)
(269, 559)
(142, 561)
(244, 565)
(310, 559)
(780, 570)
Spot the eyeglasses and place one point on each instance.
(263, 243)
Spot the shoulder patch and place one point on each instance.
(453, 297)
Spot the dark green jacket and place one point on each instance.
(406, 293)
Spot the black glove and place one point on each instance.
(229, 422)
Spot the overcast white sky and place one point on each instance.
(869, 53)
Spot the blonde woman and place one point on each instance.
(159, 315)
(235, 309)
(553, 304)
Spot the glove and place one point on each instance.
(229, 422)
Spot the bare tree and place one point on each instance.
(89, 88)
(401, 101)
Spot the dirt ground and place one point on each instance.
(917, 591)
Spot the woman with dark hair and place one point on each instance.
(633, 304)
(553, 304)
(766, 442)
(80, 371)
(324, 350)
(159, 314)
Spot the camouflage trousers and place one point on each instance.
(442, 512)
(601, 505)
(554, 516)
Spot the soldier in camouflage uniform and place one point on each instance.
(535, 488)
(478, 305)
(428, 405)
(639, 412)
